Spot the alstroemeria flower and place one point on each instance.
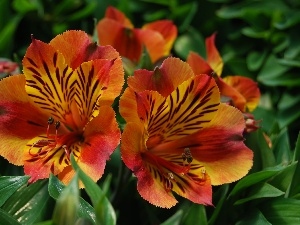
(241, 92)
(116, 29)
(61, 105)
(179, 137)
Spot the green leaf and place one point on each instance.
(255, 60)
(67, 204)
(175, 219)
(283, 179)
(7, 35)
(7, 219)
(27, 204)
(85, 210)
(263, 155)
(9, 185)
(255, 178)
(254, 217)
(282, 211)
(281, 148)
(105, 213)
(196, 215)
(295, 181)
(83, 12)
(271, 71)
(263, 190)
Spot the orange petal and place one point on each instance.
(167, 29)
(125, 40)
(188, 109)
(164, 79)
(20, 120)
(219, 147)
(155, 176)
(153, 42)
(133, 143)
(198, 64)
(243, 91)
(86, 51)
(158, 38)
(49, 80)
(101, 137)
(213, 56)
(115, 14)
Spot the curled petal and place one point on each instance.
(198, 64)
(168, 31)
(20, 120)
(164, 79)
(115, 14)
(153, 42)
(213, 56)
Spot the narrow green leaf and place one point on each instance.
(254, 217)
(105, 213)
(9, 185)
(27, 204)
(7, 219)
(281, 148)
(295, 182)
(67, 204)
(282, 211)
(85, 210)
(263, 190)
(255, 178)
(255, 59)
(195, 215)
(175, 219)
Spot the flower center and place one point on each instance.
(57, 147)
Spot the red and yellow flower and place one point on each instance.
(178, 136)
(116, 29)
(241, 92)
(61, 105)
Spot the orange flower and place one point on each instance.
(61, 106)
(117, 30)
(179, 137)
(241, 92)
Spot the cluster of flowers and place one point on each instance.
(184, 123)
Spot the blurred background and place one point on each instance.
(259, 39)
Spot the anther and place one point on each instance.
(50, 120)
(57, 125)
(187, 156)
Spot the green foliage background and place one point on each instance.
(256, 38)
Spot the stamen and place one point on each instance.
(50, 121)
(187, 156)
(57, 125)
(203, 172)
(65, 147)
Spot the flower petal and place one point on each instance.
(167, 29)
(101, 138)
(115, 14)
(85, 51)
(49, 81)
(153, 42)
(246, 93)
(156, 179)
(125, 40)
(219, 147)
(213, 56)
(189, 108)
(20, 120)
(133, 143)
(165, 79)
(198, 64)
